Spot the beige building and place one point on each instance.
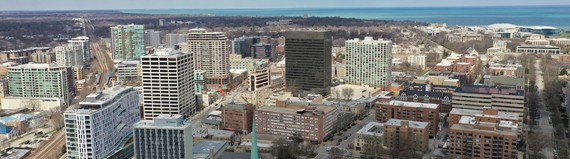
(368, 140)
(338, 70)
(405, 135)
(475, 139)
(211, 52)
(475, 97)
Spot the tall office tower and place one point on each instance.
(127, 42)
(69, 55)
(368, 62)
(164, 137)
(242, 46)
(174, 39)
(85, 46)
(102, 123)
(41, 81)
(211, 53)
(308, 61)
(168, 84)
(152, 38)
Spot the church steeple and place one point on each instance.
(254, 149)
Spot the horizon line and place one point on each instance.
(380, 7)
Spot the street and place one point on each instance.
(196, 120)
(544, 121)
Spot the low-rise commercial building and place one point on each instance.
(414, 111)
(309, 123)
(538, 49)
(238, 116)
(476, 97)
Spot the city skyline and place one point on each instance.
(38, 5)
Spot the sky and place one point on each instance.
(12, 5)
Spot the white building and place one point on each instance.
(368, 62)
(175, 39)
(168, 84)
(83, 41)
(165, 137)
(102, 123)
(538, 49)
(69, 55)
(152, 38)
(560, 41)
(419, 60)
(211, 53)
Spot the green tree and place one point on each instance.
(445, 53)
(526, 70)
(563, 72)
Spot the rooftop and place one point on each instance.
(413, 124)
(413, 104)
(202, 149)
(469, 124)
(291, 111)
(37, 66)
(482, 89)
(500, 114)
(372, 128)
(538, 46)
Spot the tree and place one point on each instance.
(281, 149)
(336, 153)
(347, 93)
(563, 72)
(32, 104)
(445, 53)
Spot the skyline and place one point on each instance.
(39, 5)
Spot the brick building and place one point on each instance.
(427, 93)
(238, 116)
(473, 139)
(486, 115)
(414, 111)
(309, 123)
(406, 135)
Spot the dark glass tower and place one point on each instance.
(308, 61)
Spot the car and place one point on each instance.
(328, 148)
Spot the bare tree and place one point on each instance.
(347, 93)
(32, 104)
(336, 153)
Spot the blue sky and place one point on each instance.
(190, 4)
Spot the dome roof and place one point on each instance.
(502, 26)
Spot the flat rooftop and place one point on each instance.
(413, 124)
(500, 114)
(372, 128)
(412, 104)
(483, 89)
(202, 149)
(291, 111)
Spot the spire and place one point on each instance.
(254, 150)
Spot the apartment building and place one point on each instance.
(477, 139)
(414, 111)
(168, 84)
(83, 42)
(127, 42)
(486, 115)
(102, 123)
(406, 135)
(309, 123)
(479, 97)
(164, 137)
(69, 55)
(369, 138)
(238, 116)
(211, 53)
(368, 62)
(428, 93)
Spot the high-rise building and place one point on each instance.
(200, 81)
(43, 57)
(238, 116)
(406, 135)
(85, 46)
(164, 137)
(128, 42)
(211, 53)
(418, 60)
(102, 123)
(369, 62)
(152, 38)
(262, 50)
(41, 81)
(168, 84)
(174, 39)
(128, 71)
(69, 55)
(308, 61)
(422, 112)
(310, 123)
(477, 139)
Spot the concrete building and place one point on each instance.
(242, 46)
(262, 50)
(102, 123)
(560, 41)
(369, 138)
(476, 97)
(419, 60)
(211, 53)
(338, 71)
(175, 39)
(168, 84)
(422, 112)
(428, 93)
(83, 42)
(538, 49)
(209, 150)
(43, 57)
(487, 115)
(164, 137)
(259, 78)
(475, 139)
(22, 56)
(308, 61)
(406, 135)
(127, 42)
(369, 62)
(542, 30)
(200, 81)
(512, 70)
(128, 71)
(69, 55)
(152, 38)
(311, 123)
(238, 116)
(42, 81)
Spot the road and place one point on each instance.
(544, 125)
(197, 119)
(99, 52)
(323, 154)
(50, 147)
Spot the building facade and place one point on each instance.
(127, 42)
(164, 137)
(406, 135)
(311, 123)
(476, 97)
(428, 93)
(421, 112)
(238, 116)
(83, 42)
(42, 81)
(175, 39)
(211, 53)
(168, 84)
(368, 140)
(538, 49)
(152, 38)
(69, 55)
(309, 61)
(102, 123)
(419, 60)
(368, 62)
